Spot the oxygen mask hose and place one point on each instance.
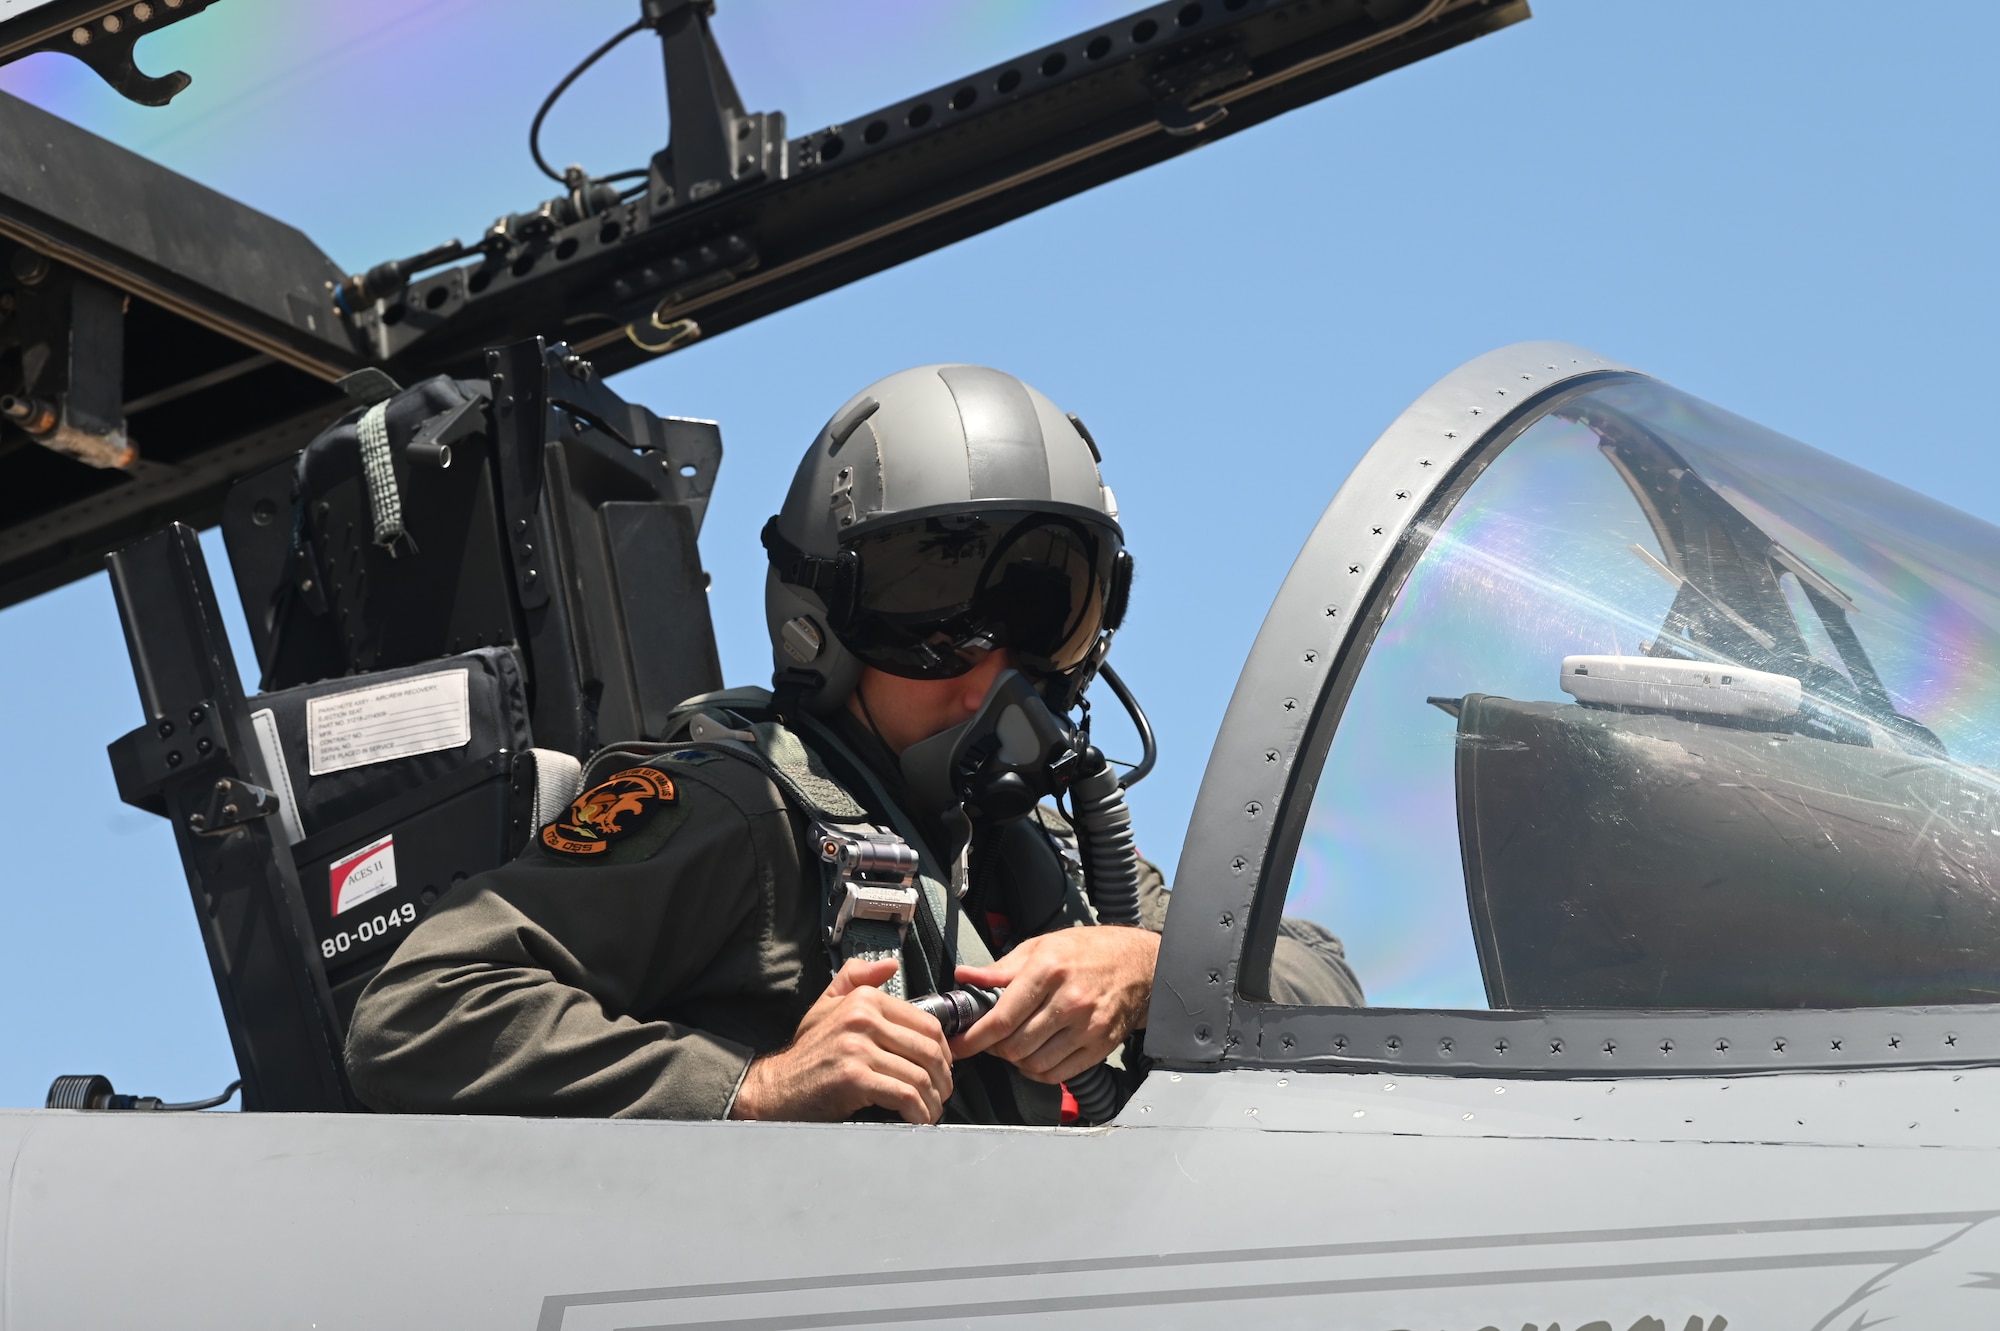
(1111, 881)
(1110, 856)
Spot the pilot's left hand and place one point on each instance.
(1067, 999)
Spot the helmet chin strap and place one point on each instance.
(868, 713)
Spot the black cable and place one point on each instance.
(1151, 754)
(209, 1103)
(535, 129)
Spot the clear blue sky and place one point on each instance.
(1786, 208)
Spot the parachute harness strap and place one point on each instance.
(380, 473)
(871, 895)
(872, 881)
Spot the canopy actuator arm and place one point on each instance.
(712, 142)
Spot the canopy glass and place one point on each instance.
(1671, 711)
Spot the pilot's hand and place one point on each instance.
(856, 1047)
(1066, 999)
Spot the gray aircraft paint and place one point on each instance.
(1344, 1199)
(1285, 1167)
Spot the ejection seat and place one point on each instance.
(455, 593)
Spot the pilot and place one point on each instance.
(667, 948)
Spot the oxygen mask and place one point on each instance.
(1010, 755)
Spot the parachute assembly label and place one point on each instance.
(422, 714)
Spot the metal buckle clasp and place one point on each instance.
(877, 874)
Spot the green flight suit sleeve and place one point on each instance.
(538, 988)
(1308, 967)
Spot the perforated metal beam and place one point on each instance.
(233, 339)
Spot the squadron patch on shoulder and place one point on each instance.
(609, 811)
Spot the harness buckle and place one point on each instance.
(877, 873)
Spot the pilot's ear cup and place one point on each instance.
(837, 667)
(1120, 594)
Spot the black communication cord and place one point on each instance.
(209, 1103)
(1139, 722)
(548, 103)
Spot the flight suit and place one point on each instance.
(636, 973)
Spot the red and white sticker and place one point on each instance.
(364, 875)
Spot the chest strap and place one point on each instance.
(872, 894)
(873, 889)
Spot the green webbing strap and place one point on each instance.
(971, 948)
(942, 902)
(383, 501)
(811, 784)
(874, 940)
(803, 778)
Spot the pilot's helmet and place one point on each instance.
(944, 511)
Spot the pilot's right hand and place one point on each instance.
(856, 1047)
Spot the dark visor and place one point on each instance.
(934, 593)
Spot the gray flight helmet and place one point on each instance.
(933, 440)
